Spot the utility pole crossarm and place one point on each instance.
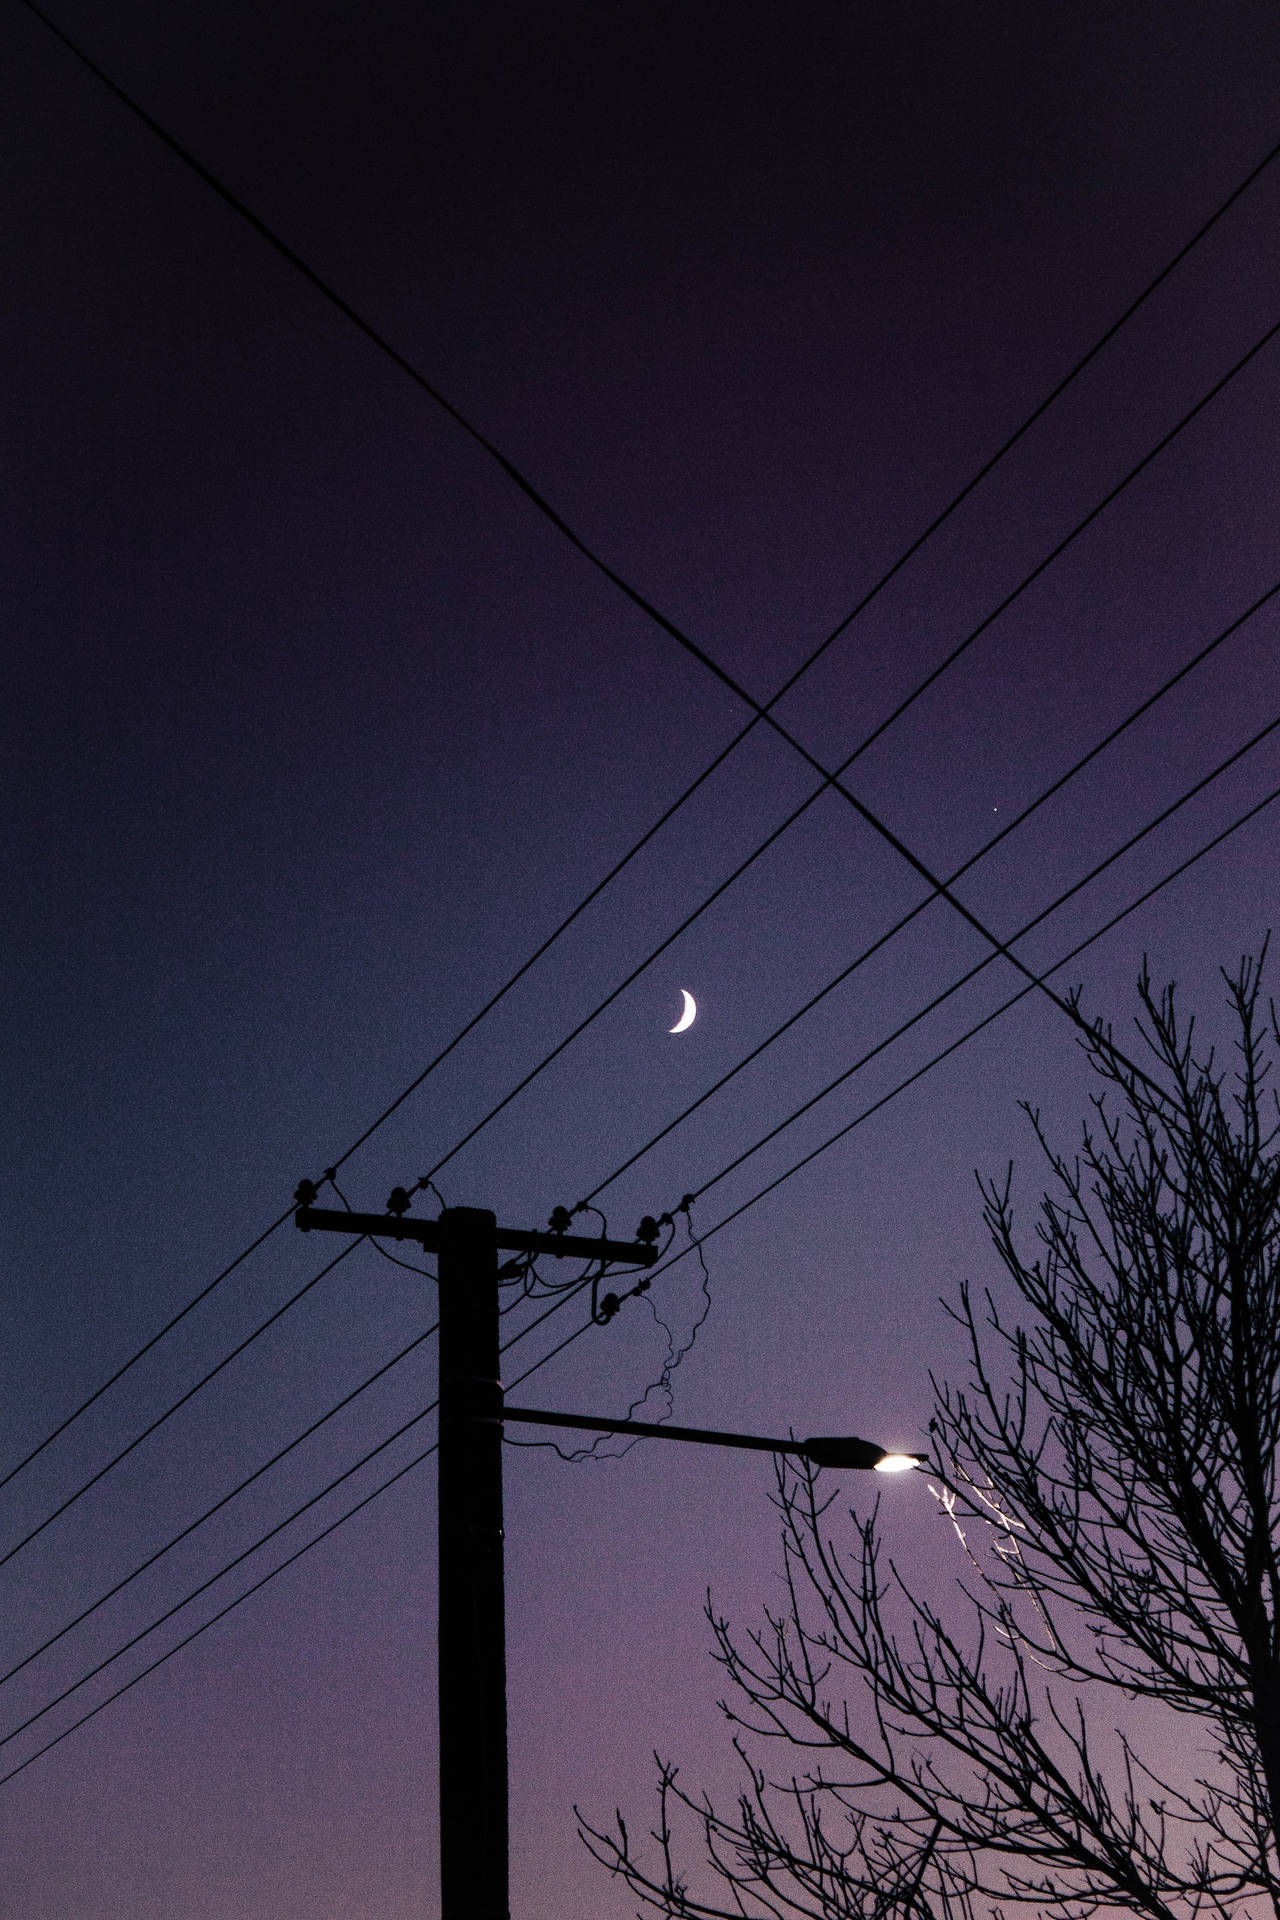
(428, 1234)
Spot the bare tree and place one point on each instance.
(1110, 1470)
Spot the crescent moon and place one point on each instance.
(687, 1017)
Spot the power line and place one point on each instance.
(224, 1500)
(384, 346)
(761, 1194)
(760, 713)
(970, 1033)
(779, 1031)
(706, 1095)
(257, 1474)
(910, 1080)
(981, 965)
(1046, 913)
(239, 1558)
(536, 498)
(213, 1579)
(899, 925)
(144, 1349)
(568, 532)
(899, 846)
(222, 1613)
(1267, 800)
(843, 975)
(169, 1411)
(832, 780)
(953, 1046)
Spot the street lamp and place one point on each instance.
(824, 1451)
(471, 1631)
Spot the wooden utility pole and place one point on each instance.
(471, 1621)
(471, 1638)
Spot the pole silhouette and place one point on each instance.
(471, 1619)
(471, 1638)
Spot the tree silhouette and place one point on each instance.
(1110, 1468)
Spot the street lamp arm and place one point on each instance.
(828, 1452)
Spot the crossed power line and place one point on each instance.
(829, 779)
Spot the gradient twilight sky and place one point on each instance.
(314, 730)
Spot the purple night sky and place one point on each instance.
(314, 730)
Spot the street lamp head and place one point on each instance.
(845, 1451)
(848, 1452)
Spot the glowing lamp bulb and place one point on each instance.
(897, 1463)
